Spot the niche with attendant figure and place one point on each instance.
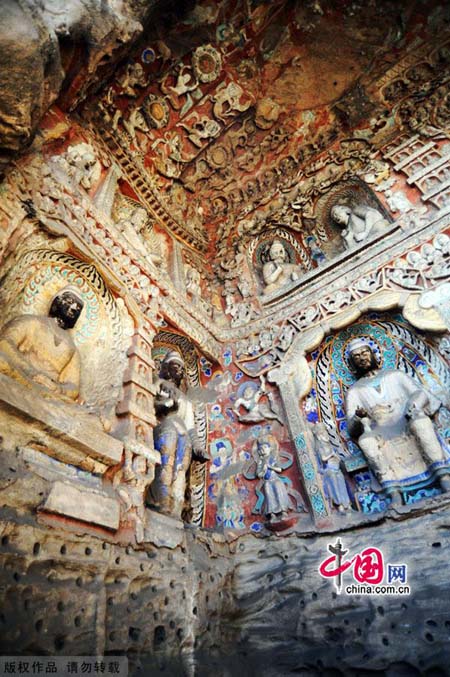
(279, 261)
(387, 420)
(181, 434)
(347, 217)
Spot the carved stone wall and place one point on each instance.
(74, 594)
(189, 194)
(303, 625)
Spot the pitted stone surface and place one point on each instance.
(292, 620)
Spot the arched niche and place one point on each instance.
(295, 379)
(103, 331)
(166, 341)
(296, 261)
(352, 193)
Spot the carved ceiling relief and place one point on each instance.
(218, 119)
(342, 219)
(337, 180)
(427, 112)
(425, 163)
(296, 203)
(212, 145)
(115, 228)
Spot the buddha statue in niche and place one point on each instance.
(41, 351)
(390, 414)
(358, 223)
(277, 272)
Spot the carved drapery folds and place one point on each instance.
(390, 415)
(63, 347)
(100, 332)
(189, 154)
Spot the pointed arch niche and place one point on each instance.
(295, 379)
(167, 340)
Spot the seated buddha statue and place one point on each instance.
(390, 415)
(40, 350)
(277, 272)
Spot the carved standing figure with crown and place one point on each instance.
(389, 414)
(172, 440)
(175, 437)
(333, 480)
(173, 370)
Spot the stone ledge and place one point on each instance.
(80, 503)
(162, 530)
(66, 431)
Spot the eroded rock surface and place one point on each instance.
(52, 45)
(292, 620)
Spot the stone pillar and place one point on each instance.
(136, 411)
(135, 427)
(293, 379)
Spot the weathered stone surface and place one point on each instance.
(62, 594)
(82, 504)
(186, 600)
(30, 74)
(163, 531)
(247, 606)
(83, 440)
(291, 620)
(51, 469)
(43, 45)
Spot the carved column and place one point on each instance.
(293, 379)
(135, 411)
(425, 164)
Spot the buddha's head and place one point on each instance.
(66, 308)
(277, 252)
(361, 357)
(341, 214)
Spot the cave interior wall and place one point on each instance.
(151, 163)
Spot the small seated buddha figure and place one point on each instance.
(277, 272)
